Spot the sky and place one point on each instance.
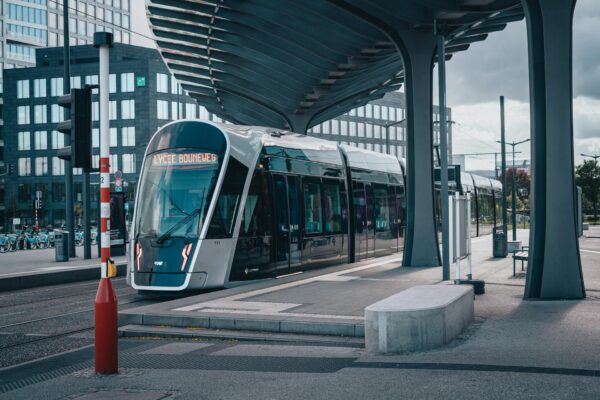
(498, 66)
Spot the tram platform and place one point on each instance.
(324, 302)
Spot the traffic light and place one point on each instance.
(79, 127)
(10, 169)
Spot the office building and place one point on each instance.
(27, 25)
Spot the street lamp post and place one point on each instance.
(513, 189)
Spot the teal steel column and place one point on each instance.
(417, 47)
(554, 268)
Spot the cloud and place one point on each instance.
(499, 65)
(586, 117)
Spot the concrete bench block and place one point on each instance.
(419, 318)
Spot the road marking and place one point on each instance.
(33, 271)
(279, 314)
(288, 285)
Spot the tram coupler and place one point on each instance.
(105, 329)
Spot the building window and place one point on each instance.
(23, 89)
(57, 113)
(175, 88)
(58, 166)
(113, 137)
(335, 127)
(112, 83)
(56, 86)
(162, 109)
(129, 163)
(128, 109)
(23, 117)
(75, 82)
(39, 88)
(95, 111)
(41, 166)
(92, 80)
(112, 110)
(96, 137)
(352, 127)
(24, 166)
(128, 136)
(114, 163)
(127, 82)
(190, 110)
(24, 141)
(377, 129)
(174, 113)
(40, 115)
(204, 113)
(41, 140)
(58, 140)
(162, 83)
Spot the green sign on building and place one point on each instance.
(140, 81)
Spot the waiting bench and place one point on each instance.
(419, 318)
(520, 255)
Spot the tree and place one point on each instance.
(587, 176)
(522, 186)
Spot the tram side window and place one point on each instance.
(223, 219)
(381, 208)
(313, 215)
(255, 217)
(332, 209)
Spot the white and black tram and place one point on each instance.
(219, 204)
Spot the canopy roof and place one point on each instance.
(294, 64)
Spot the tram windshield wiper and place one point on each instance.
(178, 224)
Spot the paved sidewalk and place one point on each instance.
(328, 301)
(514, 349)
(32, 268)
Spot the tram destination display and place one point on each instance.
(183, 159)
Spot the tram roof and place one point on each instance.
(294, 64)
(370, 160)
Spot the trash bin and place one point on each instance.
(61, 245)
(500, 245)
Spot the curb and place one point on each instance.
(31, 280)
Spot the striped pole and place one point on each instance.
(105, 329)
(104, 163)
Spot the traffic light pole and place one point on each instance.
(106, 353)
(68, 167)
(87, 237)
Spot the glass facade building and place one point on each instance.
(143, 97)
(376, 124)
(27, 25)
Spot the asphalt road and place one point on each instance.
(35, 323)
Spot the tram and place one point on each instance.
(219, 205)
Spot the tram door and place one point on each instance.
(370, 220)
(288, 222)
(360, 221)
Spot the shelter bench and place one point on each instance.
(520, 255)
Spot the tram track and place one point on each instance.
(41, 322)
(61, 288)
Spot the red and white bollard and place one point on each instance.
(105, 317)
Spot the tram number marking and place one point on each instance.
(217, 242)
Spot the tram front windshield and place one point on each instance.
(176, 188)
